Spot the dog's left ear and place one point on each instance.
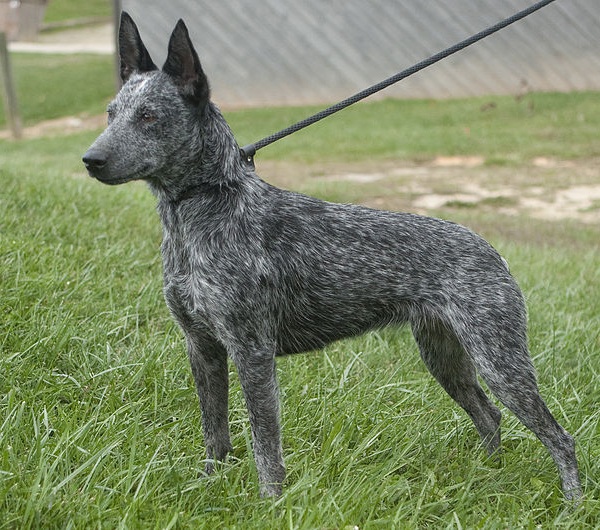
(183, 66)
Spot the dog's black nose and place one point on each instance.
(94, 159)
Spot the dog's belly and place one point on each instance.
(313, 327)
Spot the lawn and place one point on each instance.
(100, 422)
(63, 10)
(503, 129)
(79, 85)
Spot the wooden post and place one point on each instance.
(11, 108)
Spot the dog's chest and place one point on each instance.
(188, 294)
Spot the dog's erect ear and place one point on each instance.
(133, 54)
(183, 66)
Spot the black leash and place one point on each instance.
(249, 151)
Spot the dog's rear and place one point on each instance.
(252, 271)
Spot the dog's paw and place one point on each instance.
(270, 490)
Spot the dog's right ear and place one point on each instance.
(133, 54)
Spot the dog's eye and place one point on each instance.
(148, 117)
(111, 115)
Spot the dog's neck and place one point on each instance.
(209, 161)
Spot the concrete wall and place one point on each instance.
(277, 52)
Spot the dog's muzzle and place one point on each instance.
(94, 160)
(96, 163)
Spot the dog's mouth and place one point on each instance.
(101, 175)
(106, 176)
(106, 179)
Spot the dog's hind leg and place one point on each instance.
(448, 362)
(209, 368)
(502, 360)
(256, 370)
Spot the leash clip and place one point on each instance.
(248, 153)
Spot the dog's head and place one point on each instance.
(153, 113)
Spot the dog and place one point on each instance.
(252, 272)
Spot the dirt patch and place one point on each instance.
(546, 188)
(458, 161)
(60, 127)
(96, 37)
(578, 202)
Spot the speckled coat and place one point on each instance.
(252, 271)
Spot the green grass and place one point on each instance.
(510, 131)
(63, 10)
(52, 86)
(99, 421)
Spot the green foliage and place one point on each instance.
(99, 422)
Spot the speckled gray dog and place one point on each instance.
(252, 271)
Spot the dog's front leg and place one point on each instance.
(209, 367)
(256, 370)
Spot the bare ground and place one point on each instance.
(545, 189)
